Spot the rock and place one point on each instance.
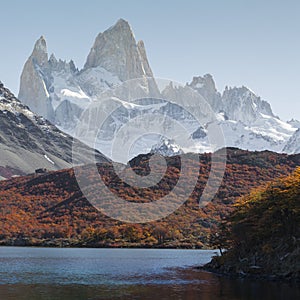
(33, 87)
(116, 51)
(241, 104)
(207, 88)
(29, 142)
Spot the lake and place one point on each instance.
(52, 273)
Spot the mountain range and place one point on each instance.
(29, 142)
(55, 92)
(58, 91)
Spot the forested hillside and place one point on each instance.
(50, 209)
(262, 234)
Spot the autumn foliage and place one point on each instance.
(50, 209)
(262, 234)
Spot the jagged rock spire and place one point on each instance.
(39, 52)
(116, 51)
(33, 88)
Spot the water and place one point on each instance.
(48, 273)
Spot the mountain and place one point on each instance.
(117, 68)
(58, 91)
(293, 144)
(206, 87)
(116, 51)
(252, 123)
(51, 209)
(166, 147)
(294, 123)
(246, 120)
(29, 142)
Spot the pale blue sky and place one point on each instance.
(253, 43)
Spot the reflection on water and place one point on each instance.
(31, 273)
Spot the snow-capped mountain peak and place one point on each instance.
(207, 88)
(40, 53)
(166, 147)
(116, 51)
(241, 104)
(33, 84)
(60, 92)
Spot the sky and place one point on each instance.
(240, 42)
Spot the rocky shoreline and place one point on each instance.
(272, 270)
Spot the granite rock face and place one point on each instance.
(116, 51)
(33, 86)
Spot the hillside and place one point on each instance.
(29, 142)
(262, 234)
(50, 209)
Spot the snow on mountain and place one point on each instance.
(207, 88)
(241, 104)
(262, 130)
(294, 123)
(166, 147)
(29, 142)
(293, 144)
(247, 121)
(60, 92)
